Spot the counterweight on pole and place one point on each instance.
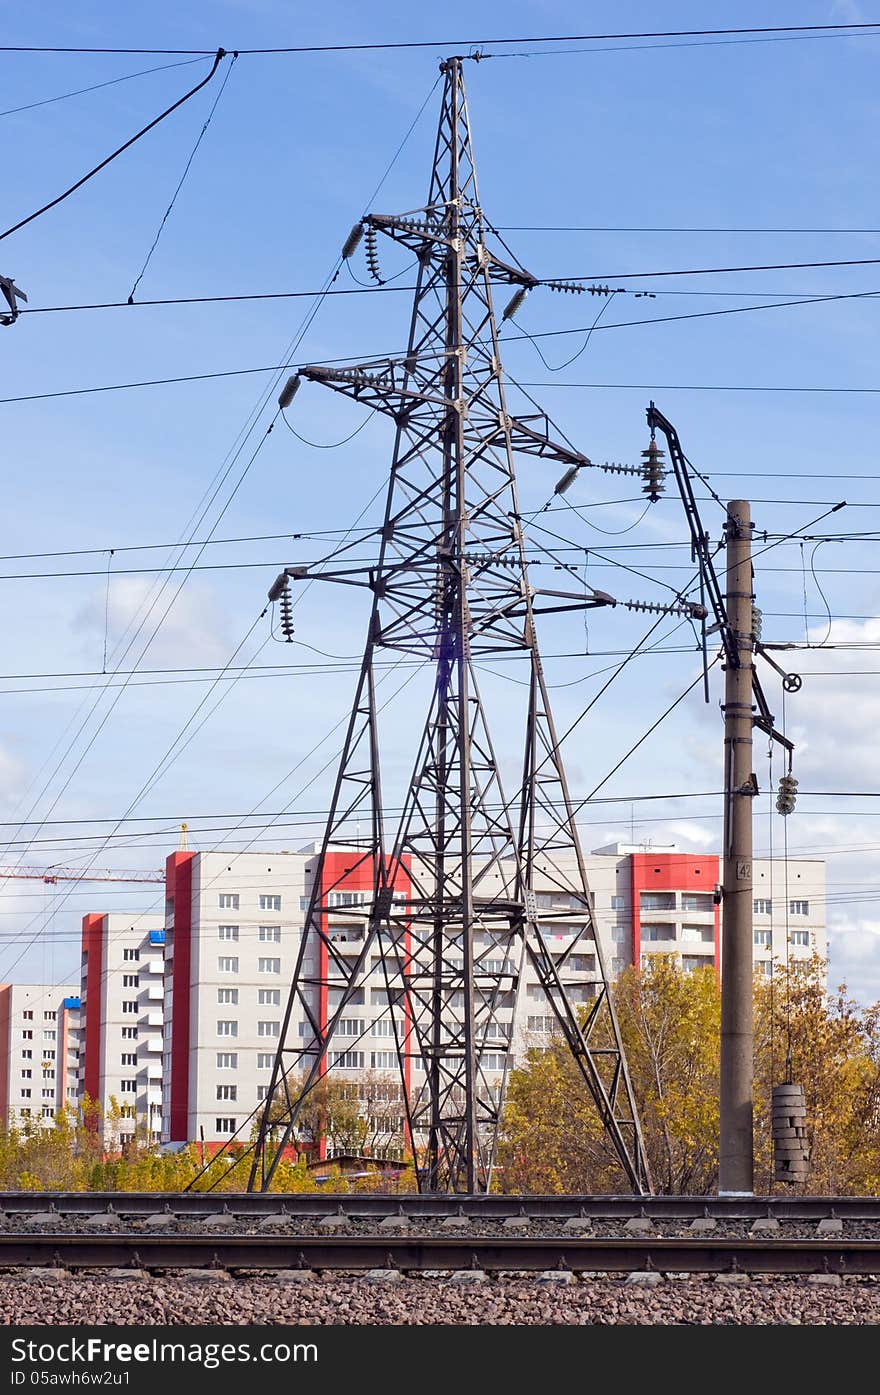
(473, 880)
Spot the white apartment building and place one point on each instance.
(233, 929)
(122, 1005)
(39, 1025)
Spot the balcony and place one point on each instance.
(155, 1018)
(155, 992)
(154, 1070)
(153, 1044)
(151, 966)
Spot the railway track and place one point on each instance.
(567, 1236)
(434, 1256)
(423, 1207)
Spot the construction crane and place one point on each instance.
(51, 875)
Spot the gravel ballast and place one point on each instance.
(27, 1298)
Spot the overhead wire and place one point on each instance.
(96, 86)
(53, 203)
(180, 183)
(856, 29)
(245, 433)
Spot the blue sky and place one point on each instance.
(723, 135)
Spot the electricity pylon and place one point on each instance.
(451, 586)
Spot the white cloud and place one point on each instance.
(192, 634)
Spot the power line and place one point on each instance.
(798, 29)
(212, 299)
(543, 334)
(119, 151)
(716, 270)
(527, 227)
(96, 86)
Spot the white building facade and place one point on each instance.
(122, 1005)
(39, 1042)
(233, 929)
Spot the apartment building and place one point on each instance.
(121, 995)
(39, 1029)
(233, 929)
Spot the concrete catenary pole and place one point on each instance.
(735, 1172)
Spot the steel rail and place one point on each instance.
(375, 1205)
(416, 1254)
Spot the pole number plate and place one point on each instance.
(744, 871)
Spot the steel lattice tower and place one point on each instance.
(451, 585)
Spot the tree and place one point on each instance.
(832, 1047)
(670, 1024)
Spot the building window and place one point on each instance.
(27, 1034)
(226, 1027)
(541, 1024)
(128, 1087)
(383, 1028)
(498, 1030)
(618, 965)
(657, 900)
(269, 997)
(25, 1094)
(493, 1061)
(227, 995)
(49, 1035)
(383, 1060)
(131, 956)
(764, 967)
(227, 1092)
(131, 981)
(270, 903)
(227, 1060)
(28, 1015)
(48, 1074)
(690, 962)
(27, 1055)
(580, 963)
(346, 898)
(800, 938)
(26, 1074)
(618, 903)
(620, 934)
(658, 932)
(262, 1092)
(227, 932)
(799, 907)
(704, 933)
(227, 964)
(348, 1060)
(265, 1060)
(129, 1033)
(269, 966)
(129, 1006)
(225, 1125)
(697, 901)
(349, 1027)
(268, 1029)
(49, 1016)
(228, 900)
(763, 939)
(128, 1058)
(270, 934)
(763, 906)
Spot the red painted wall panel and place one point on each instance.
(178, 887)
(672, 872)
(93, 947)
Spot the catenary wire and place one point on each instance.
(111, 82)
(53, 203)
